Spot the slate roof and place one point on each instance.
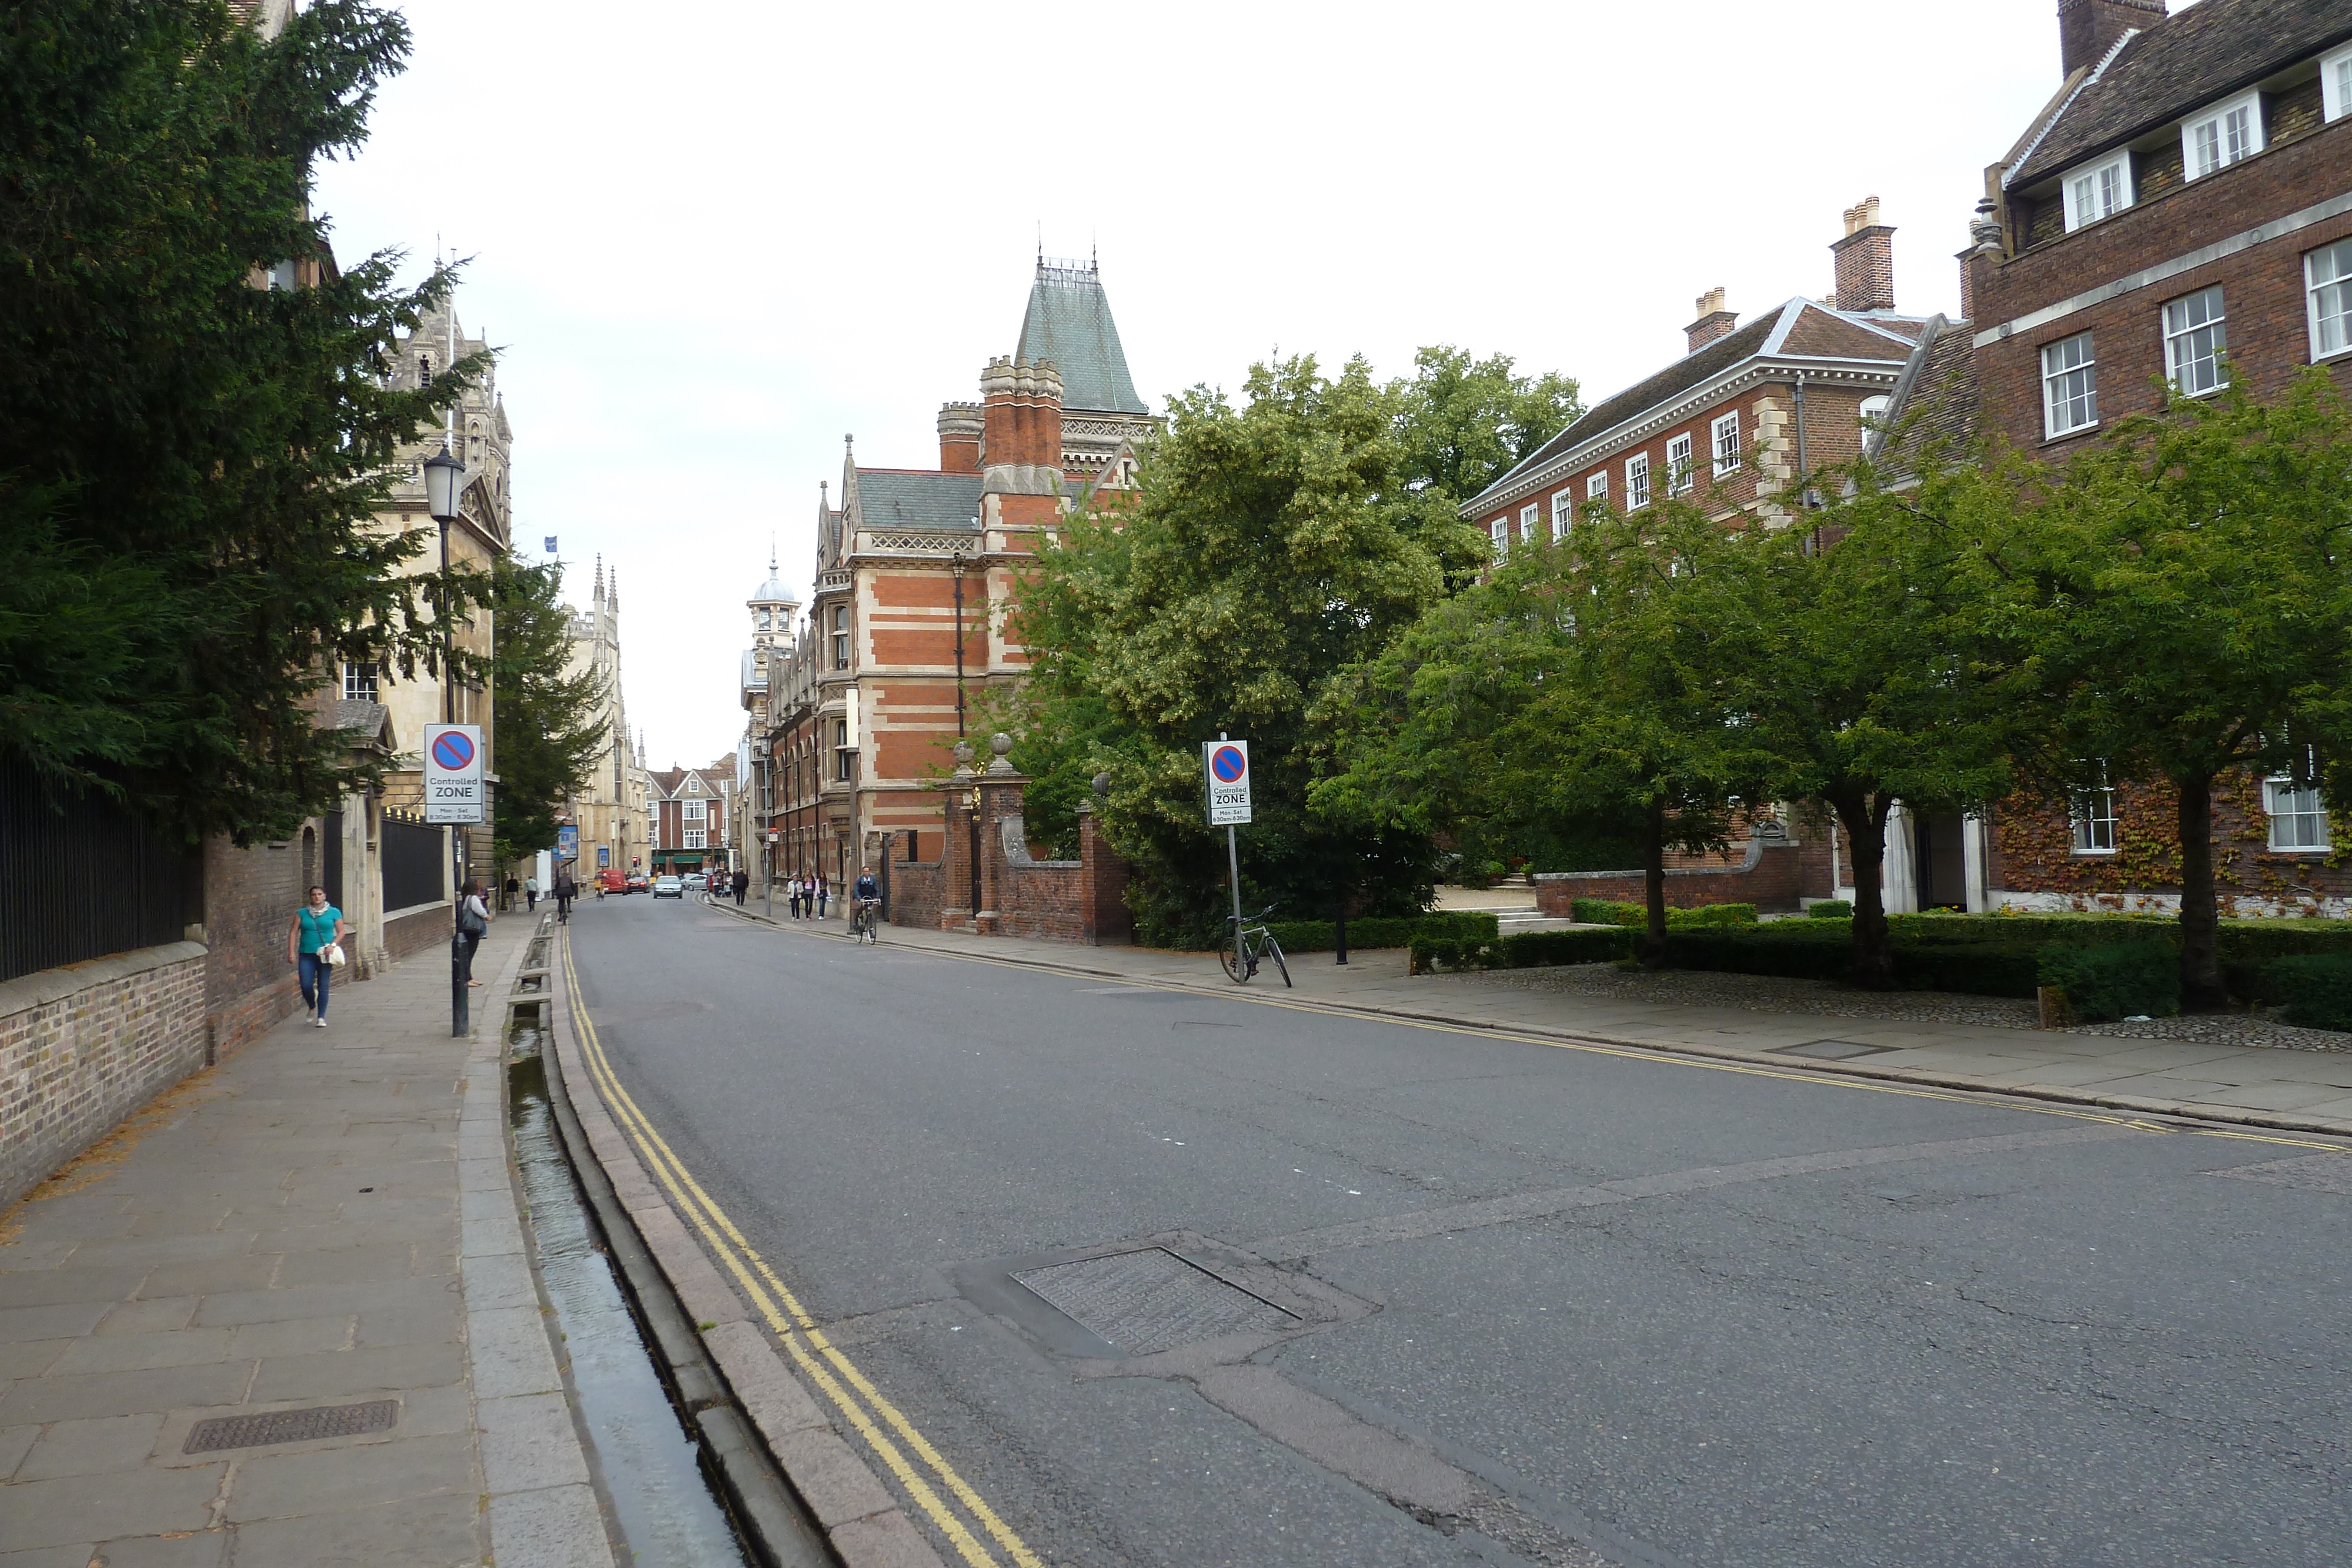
(1069, 322)
(2208, 51)
(1800, 327)
(904, 499)
(364, 721)
(1937, 403)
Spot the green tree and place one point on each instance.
(2193, 581)
(1271, 545)
(190, 460)
(549, 736)
(1463, 423)
(1580, 692)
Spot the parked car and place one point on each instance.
(668, 887)
(696, 881)
(636, 883)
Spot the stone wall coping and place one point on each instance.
(1755, 856)
(392, 915)
(43, 987)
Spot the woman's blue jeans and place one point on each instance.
(315, 971)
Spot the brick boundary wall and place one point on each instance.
(1082, 901)
(83, 1046)
(417, 929)
(1770, 877)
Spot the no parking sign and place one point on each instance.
(453, 773)
(1226, 765)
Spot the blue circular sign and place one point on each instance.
(1228, 764)
(453, 750)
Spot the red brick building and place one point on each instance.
(690, 812)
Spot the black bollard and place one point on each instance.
(461, 1021)
(1343, 934)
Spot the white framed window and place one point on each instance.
(2099, 191)
(1678, 465)
(2195, 338)
(1724, 433)
(2336, 83)
(1597, 488)
(695, 812)
(2327, 285)
(1529, 517)
(2298, 817)
(696, 839)
(2070, 386)
(2213, 138)
(1874, 412)
(841, 637)
(1499, 530)
(359, 683)
(2094, 815)
(1563, 514)
(1637, 481)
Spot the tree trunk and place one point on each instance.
(1864, 821)
(1653, 885)
(2200, 914)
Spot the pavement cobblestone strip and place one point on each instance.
(325, 1220)
(866, 1524)
(2245, 1086)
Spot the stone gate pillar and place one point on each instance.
(1000, 796)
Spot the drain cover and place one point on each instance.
(1832, 1050)
(292, 1425)
(1151, 1301)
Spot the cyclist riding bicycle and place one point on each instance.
(867, 898)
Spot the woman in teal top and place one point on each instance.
(316, 924)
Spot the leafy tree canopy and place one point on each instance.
(549, 738)
(190, 460)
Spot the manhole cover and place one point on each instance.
(1832, 1050)
(1151, 1301)
(291, 1426)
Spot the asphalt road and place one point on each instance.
(1545, 1306)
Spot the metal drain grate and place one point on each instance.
(1151, 1301)
(291, 1426)
(1832, 1050)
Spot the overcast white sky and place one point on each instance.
(710, 240)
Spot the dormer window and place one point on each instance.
(2336, 84)
(2099, 191)
(425, 371)
(2217, 137)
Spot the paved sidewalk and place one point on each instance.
(325, 1220)
(2296, 1091)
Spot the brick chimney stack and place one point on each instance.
(1865, 261)
(2087, 30)
(959, 427)
(1713, 321)
(1021, 416)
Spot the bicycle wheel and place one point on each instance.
(1274, 951)
(1232, 960)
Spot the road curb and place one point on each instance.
(2134, 1105)
(807, 1497)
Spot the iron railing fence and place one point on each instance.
(414, 859)
(82, 877)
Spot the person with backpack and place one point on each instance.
(473, 922)
(740, 882)
(314, 947)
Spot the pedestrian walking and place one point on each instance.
(473, 922)
(565, 891)
(741, 881)
(793, 892)
(314, 947)
(822, 893)
(530, 890)
(512, 888)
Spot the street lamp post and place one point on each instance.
(442, 474)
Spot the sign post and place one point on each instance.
(454, 795)
(1225, 764)
(567, 843)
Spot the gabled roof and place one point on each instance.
(1069, 322)
(1799, 328)
(2188, 60)
(901, 499)
(1935, 403)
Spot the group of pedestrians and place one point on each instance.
(809, 895)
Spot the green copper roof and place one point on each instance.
(1069, 322)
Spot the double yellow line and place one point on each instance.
(822, 1361)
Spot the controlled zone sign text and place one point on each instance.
(1227, 763)
(454, 789)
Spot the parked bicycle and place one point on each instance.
(1245, 946)
(862, 919)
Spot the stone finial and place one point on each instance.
(964, 755)
(1000, 743)
(1102, 786)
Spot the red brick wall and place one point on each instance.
(1773, 886)
(2035, 843)
(2262, 287)
(1082, 900)
(250, 897)
(414, 933)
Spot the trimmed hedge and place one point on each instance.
(2315, 987)
(1386, 931)
(1831, 909)
(1611, 912)
(2120, 979)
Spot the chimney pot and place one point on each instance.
(1713, 322)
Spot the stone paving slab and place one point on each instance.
(2294, 1090)
(326, 1217)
